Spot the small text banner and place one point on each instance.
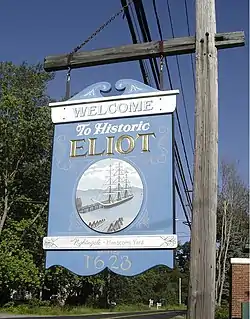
(111, 242)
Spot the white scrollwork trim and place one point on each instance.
(50, 242)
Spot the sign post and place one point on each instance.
(112, 181)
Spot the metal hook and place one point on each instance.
(67, 95)
(161, 64)
(161, 72)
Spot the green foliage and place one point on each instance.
(34, 302)
(25, 309)
(183, 261)
(183, 257)
(159, 284)
(25, 135)
(222, 313)
(17, 269)
(232, 226)
(25, 150)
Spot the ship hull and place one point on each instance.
(116, 203)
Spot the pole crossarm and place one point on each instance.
(175, 46)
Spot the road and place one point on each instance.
(160, 314)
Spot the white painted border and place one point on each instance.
(116, 97)
(113, 109)
(130, 242)
(243, 261)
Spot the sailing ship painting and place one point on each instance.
(109, 195)
(118, 189)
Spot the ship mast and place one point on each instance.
(126, 185)
(110, 183)
(119, 182)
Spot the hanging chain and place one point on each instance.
(102, 27)
(67, 94)
(76, 49)
(161, 65)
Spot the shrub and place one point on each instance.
(222, 313)
(9, 304)
(34, 302)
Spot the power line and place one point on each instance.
(182, 203)
(147, 37)
(171, 86)
(161, 37)
(182, 175)
(181, 84)
(188, 26)
(139, 37)
(134, 39)
(145, 22)
(187, 206)
(184, 148)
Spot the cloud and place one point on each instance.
(96, 175)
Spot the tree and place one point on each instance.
(183, 257)
(18, 271)
(232, 225)
(183, 263)
(25, 153)
(25, 131)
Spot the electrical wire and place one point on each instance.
(191, 57)
(140, 40)
(182, 175)
(161, 37)
(179, 164)
(181, 84)
(146, 37)
(134, 39)
(182, 203)
(141, 17)
(171, 86)
(187, 206)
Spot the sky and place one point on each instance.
(97, 175)
(31, 30)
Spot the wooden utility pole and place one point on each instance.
(205, 46)
(203, 230)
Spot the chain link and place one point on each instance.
(161, 72)
(76, 49)
(161, 64)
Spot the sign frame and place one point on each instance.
(133, 90)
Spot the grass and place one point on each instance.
(55, 310)
(43, 310)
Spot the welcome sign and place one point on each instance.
(112, 182)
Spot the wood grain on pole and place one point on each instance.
(203, 234)
(139, 51)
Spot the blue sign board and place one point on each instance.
(112, 181)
